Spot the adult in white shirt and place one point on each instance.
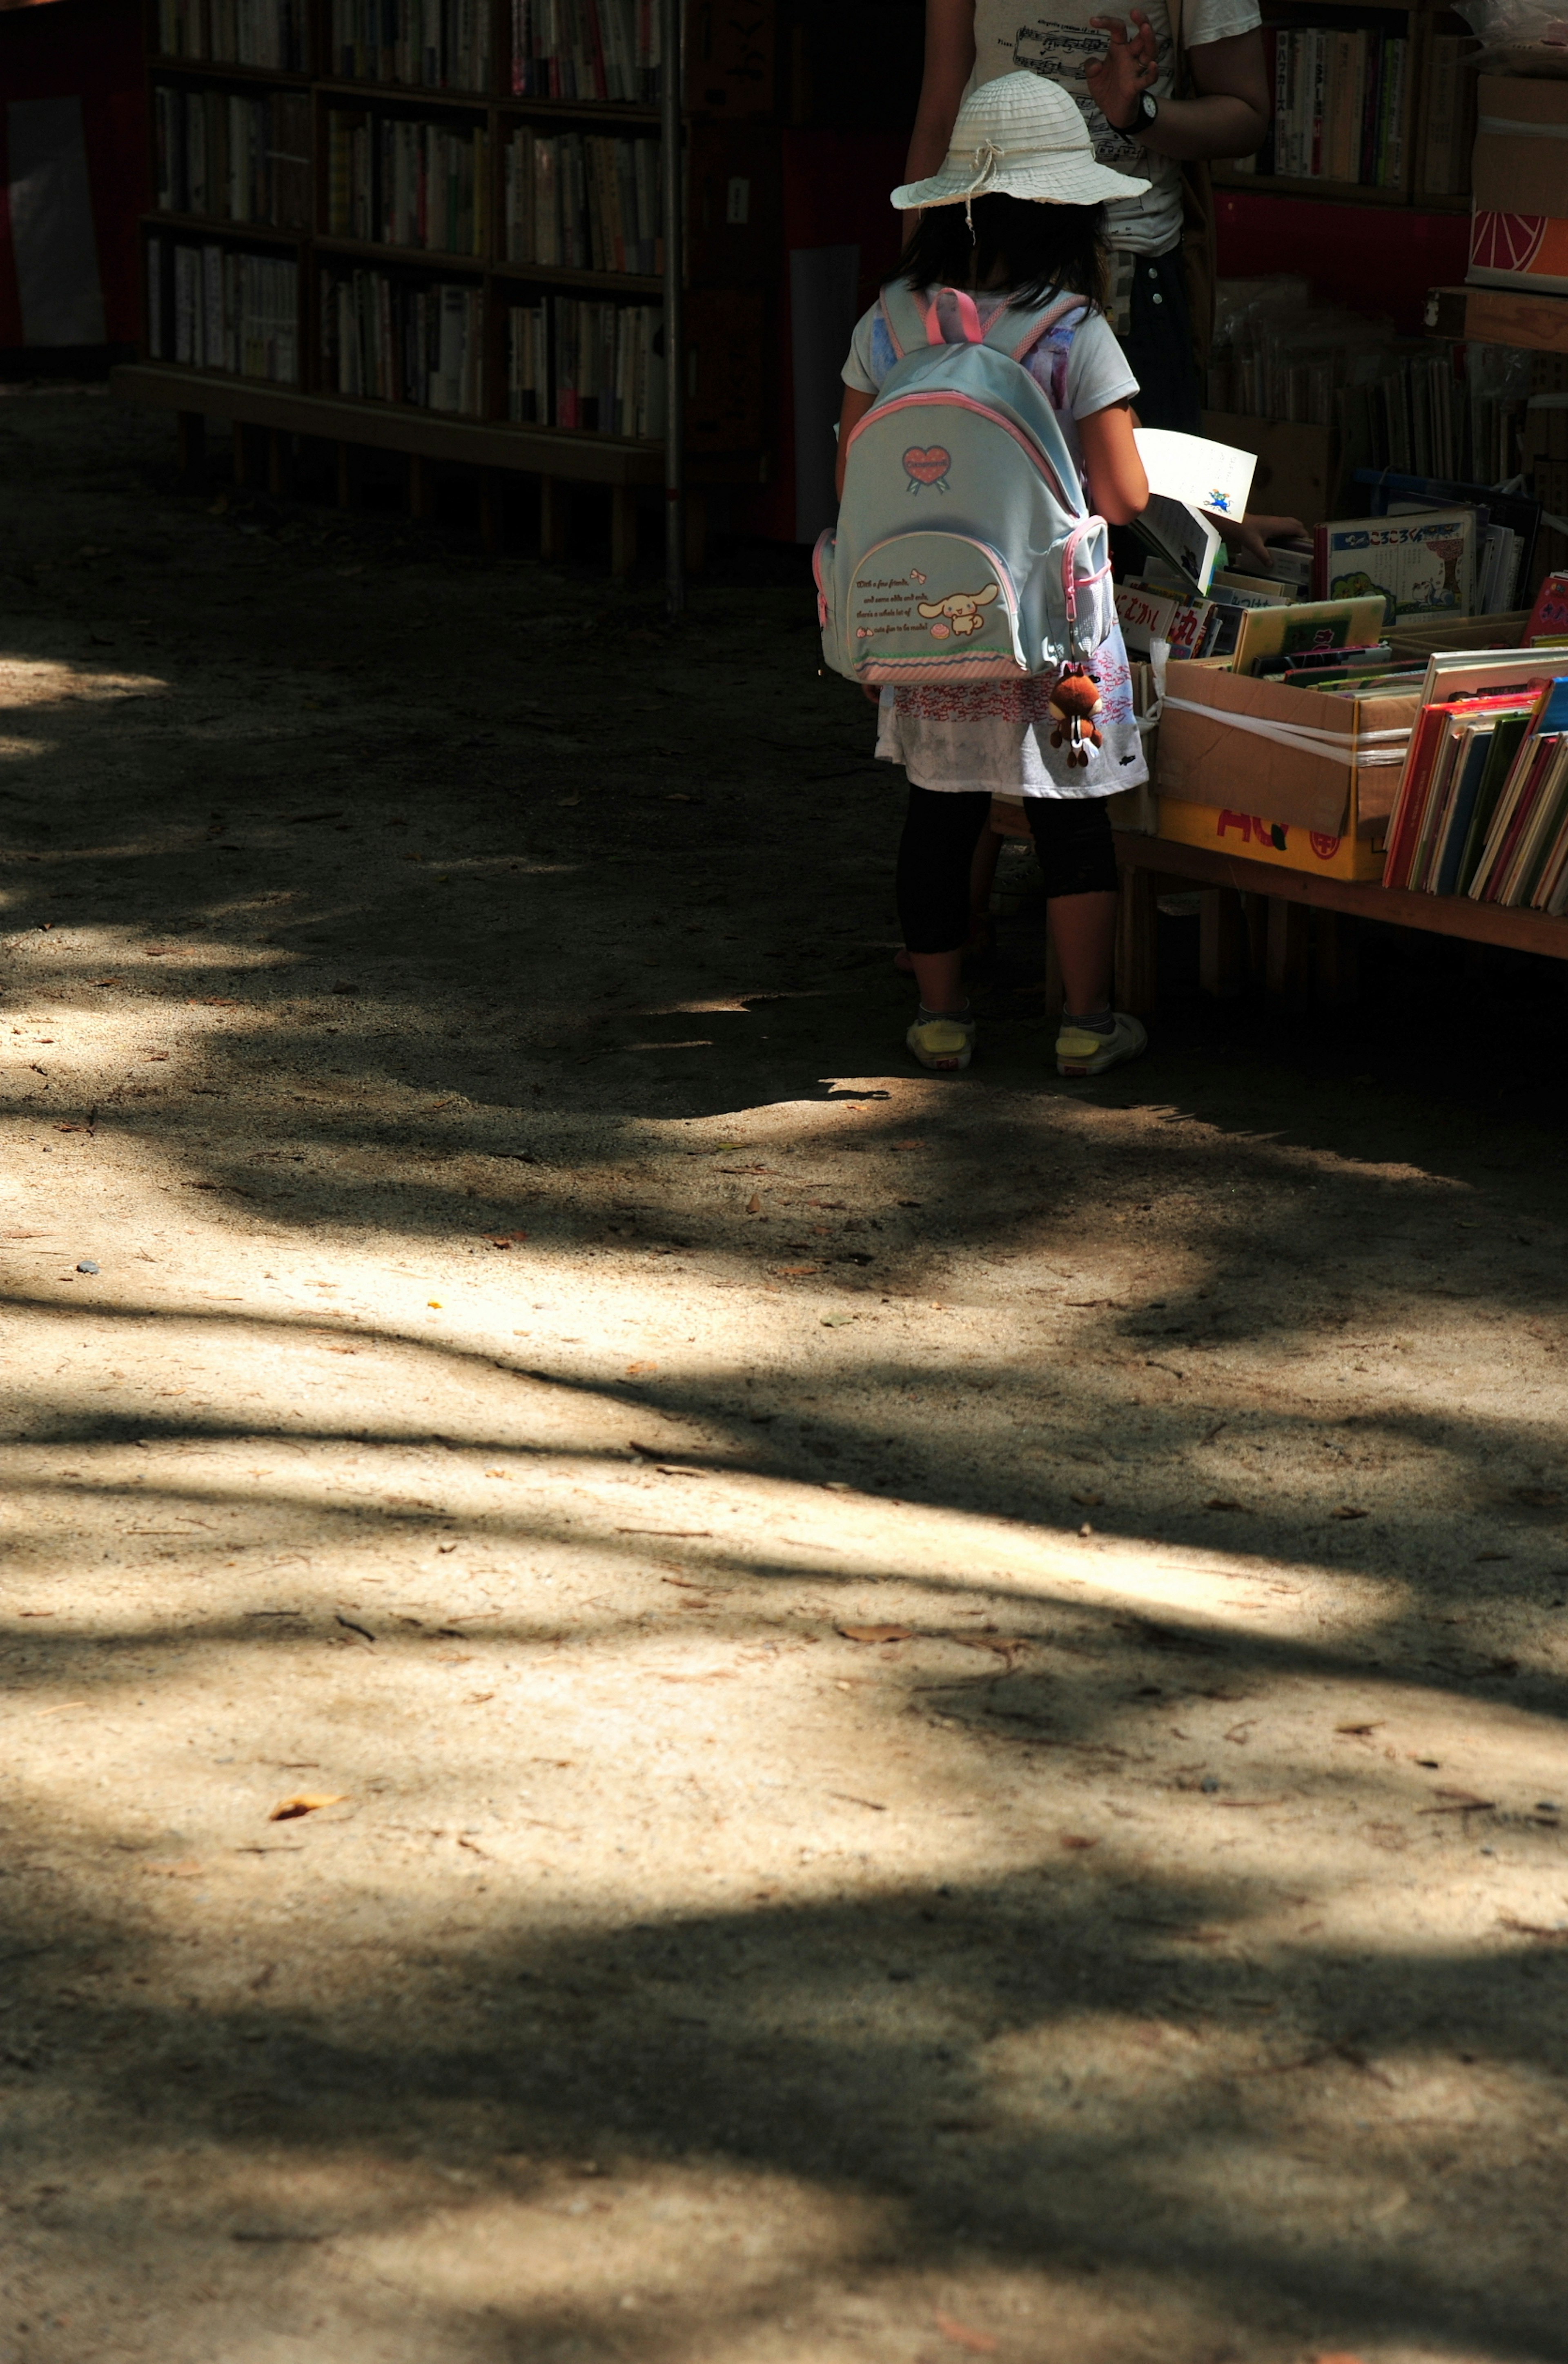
(1123, 80)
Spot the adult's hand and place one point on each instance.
(1117, 80)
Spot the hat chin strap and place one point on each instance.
(986, 158)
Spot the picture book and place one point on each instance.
(1456, 873)
(1211, 478)
(1422, 565)
(1515, 513)
(1424, 777)
(1249, 590)
(1307, 625)
(1548, 623)
(1180, 539)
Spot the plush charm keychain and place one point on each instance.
(1073, 704)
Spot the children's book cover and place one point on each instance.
(1304, 625)
(1422, 564)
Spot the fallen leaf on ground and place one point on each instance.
(1358, 1731)
(1089, 1502)
(304, 1801)
(632, 1368)
(877, 1632)
(1075, 1843)
(1349, 1510)
(504, 1239)
(795, 1271)
(1223, 1502)
(189, 1869)
(979, 2343)
(754, 1205)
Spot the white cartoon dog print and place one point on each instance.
(959, 613)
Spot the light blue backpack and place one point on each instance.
(964, 549)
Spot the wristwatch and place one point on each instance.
(1148, 114)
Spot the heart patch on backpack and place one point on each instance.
(927, 467)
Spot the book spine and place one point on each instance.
(1319, 41)
(1391, 163)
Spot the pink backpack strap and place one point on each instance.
(968, 316)
(1040, 323)
(903, 316)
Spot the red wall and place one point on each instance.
(1379, 260)
(90, 49)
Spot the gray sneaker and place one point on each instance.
(1081, 1052)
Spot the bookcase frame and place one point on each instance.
(1420, 16)
(733, 89)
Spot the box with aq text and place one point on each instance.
(1297, 777)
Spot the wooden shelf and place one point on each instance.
(1281, 184)
(200, 226)
(392, 426)
(728, 130)
(1499, 315)
(424, 258)
(1440, 915)
(219, 69)
(555, 274)
(409, 93)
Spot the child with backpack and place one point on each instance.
(986, 442)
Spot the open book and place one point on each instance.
(1194, 486)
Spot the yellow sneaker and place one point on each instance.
(1080, 1051)
(944, 1043)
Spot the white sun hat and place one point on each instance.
(1020, 135)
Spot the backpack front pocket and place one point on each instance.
(931, 606)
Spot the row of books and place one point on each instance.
(210, 308)
(1413, 404)
(232, 155)
(586, 49)
(595, 367)
(425, 44)
(1339, 106)
(392, 341)
(1483, 803)
(587, 203)
(271, 34)
(403, 183)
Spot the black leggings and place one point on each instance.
(942, 829)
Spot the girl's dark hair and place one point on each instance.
(1043, 251)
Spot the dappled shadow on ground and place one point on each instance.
(1009, 1801)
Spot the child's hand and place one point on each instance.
(1246, 538)
(1130, 64)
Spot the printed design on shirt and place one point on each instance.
(1022, 702)
(959, 614)
(1059, 52)
(927, 466)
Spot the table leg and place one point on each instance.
(190, 430)
(492, 508)
(1286, 954)
(553, 517)
(623, 529)
(1222, 942)
(1336, 959)
(1135, 943)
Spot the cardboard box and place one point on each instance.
(1228, 830)
(1519, 230)
(1304, 808)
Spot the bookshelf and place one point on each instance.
(1373, 107)
(441, 228)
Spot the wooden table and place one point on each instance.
(1293, 927)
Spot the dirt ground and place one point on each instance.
(935, 1706)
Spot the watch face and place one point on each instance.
(1149, 105)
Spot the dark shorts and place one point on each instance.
(1159, 346)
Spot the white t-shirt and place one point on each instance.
(1057, 43)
